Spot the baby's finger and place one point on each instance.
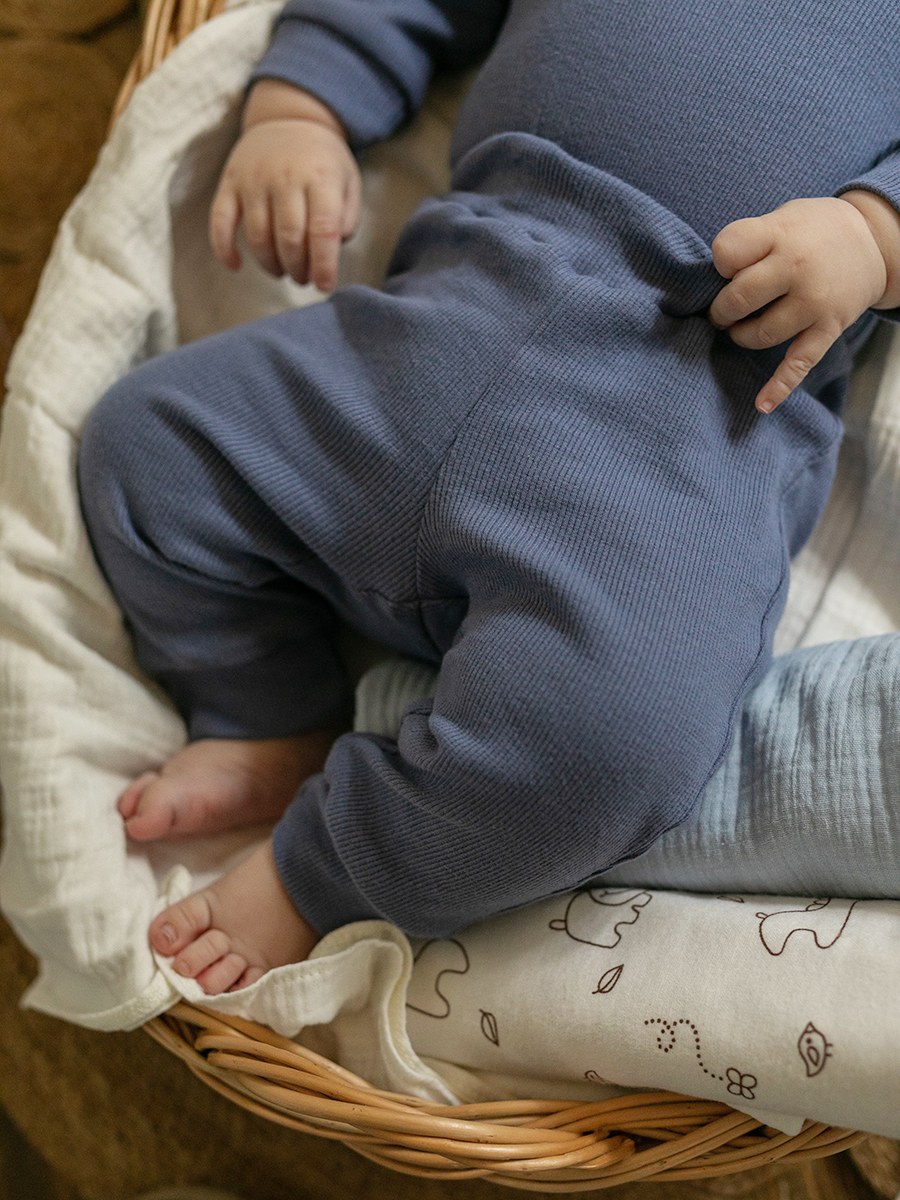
(326, 204)
(741, 244)
(352, 205)
(289, 208)
(752, 289)
(258, 221)
(804, 352)
(784, 319)
(249, 976)
(223, 222)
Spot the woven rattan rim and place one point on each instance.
(166, 23)
(536, 1145)
(540, 1145)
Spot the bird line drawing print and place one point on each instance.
(814, 1049)
(444, 957)
(597, 916)
(738, 1083)
(825, 920)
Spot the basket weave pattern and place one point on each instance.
(537, 1145)
(541, 1145)
(166, 23)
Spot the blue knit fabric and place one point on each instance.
(805, 803)
(529, 457)
(717, 109)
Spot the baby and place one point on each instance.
(535, 457)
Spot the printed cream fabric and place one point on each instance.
(773, 1004)
(768, 1003)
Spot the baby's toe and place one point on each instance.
(154, 813)
(249, 976)
(201, 953)
(224, 974)
(183, 923)
(128, 802)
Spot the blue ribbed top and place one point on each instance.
(719, 109)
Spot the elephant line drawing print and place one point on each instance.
(824, 920)
(446, 956)
(588, 915)
(741, 1084)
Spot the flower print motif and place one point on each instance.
(740, 1084)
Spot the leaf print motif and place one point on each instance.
(608, 980)
(489, 1027)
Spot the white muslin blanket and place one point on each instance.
(777, 1005)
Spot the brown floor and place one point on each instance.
(35, 190)
(56, 92)
(58, 78)
(25, 1175)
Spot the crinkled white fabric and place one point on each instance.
(130, 276)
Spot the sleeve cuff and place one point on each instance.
(311, 871)
(884, 181)
(364, 97)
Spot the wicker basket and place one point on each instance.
(167, 22)
(537, 1145)
(541, 1145)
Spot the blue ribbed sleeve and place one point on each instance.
(370, 60)
(884, 181)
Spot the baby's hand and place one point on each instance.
(293, 182)
(813, 266)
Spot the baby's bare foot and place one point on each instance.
(218, 784)
(228, 935)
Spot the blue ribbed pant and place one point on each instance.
(529, 458)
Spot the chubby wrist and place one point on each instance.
(275, 100)
(884, 225)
